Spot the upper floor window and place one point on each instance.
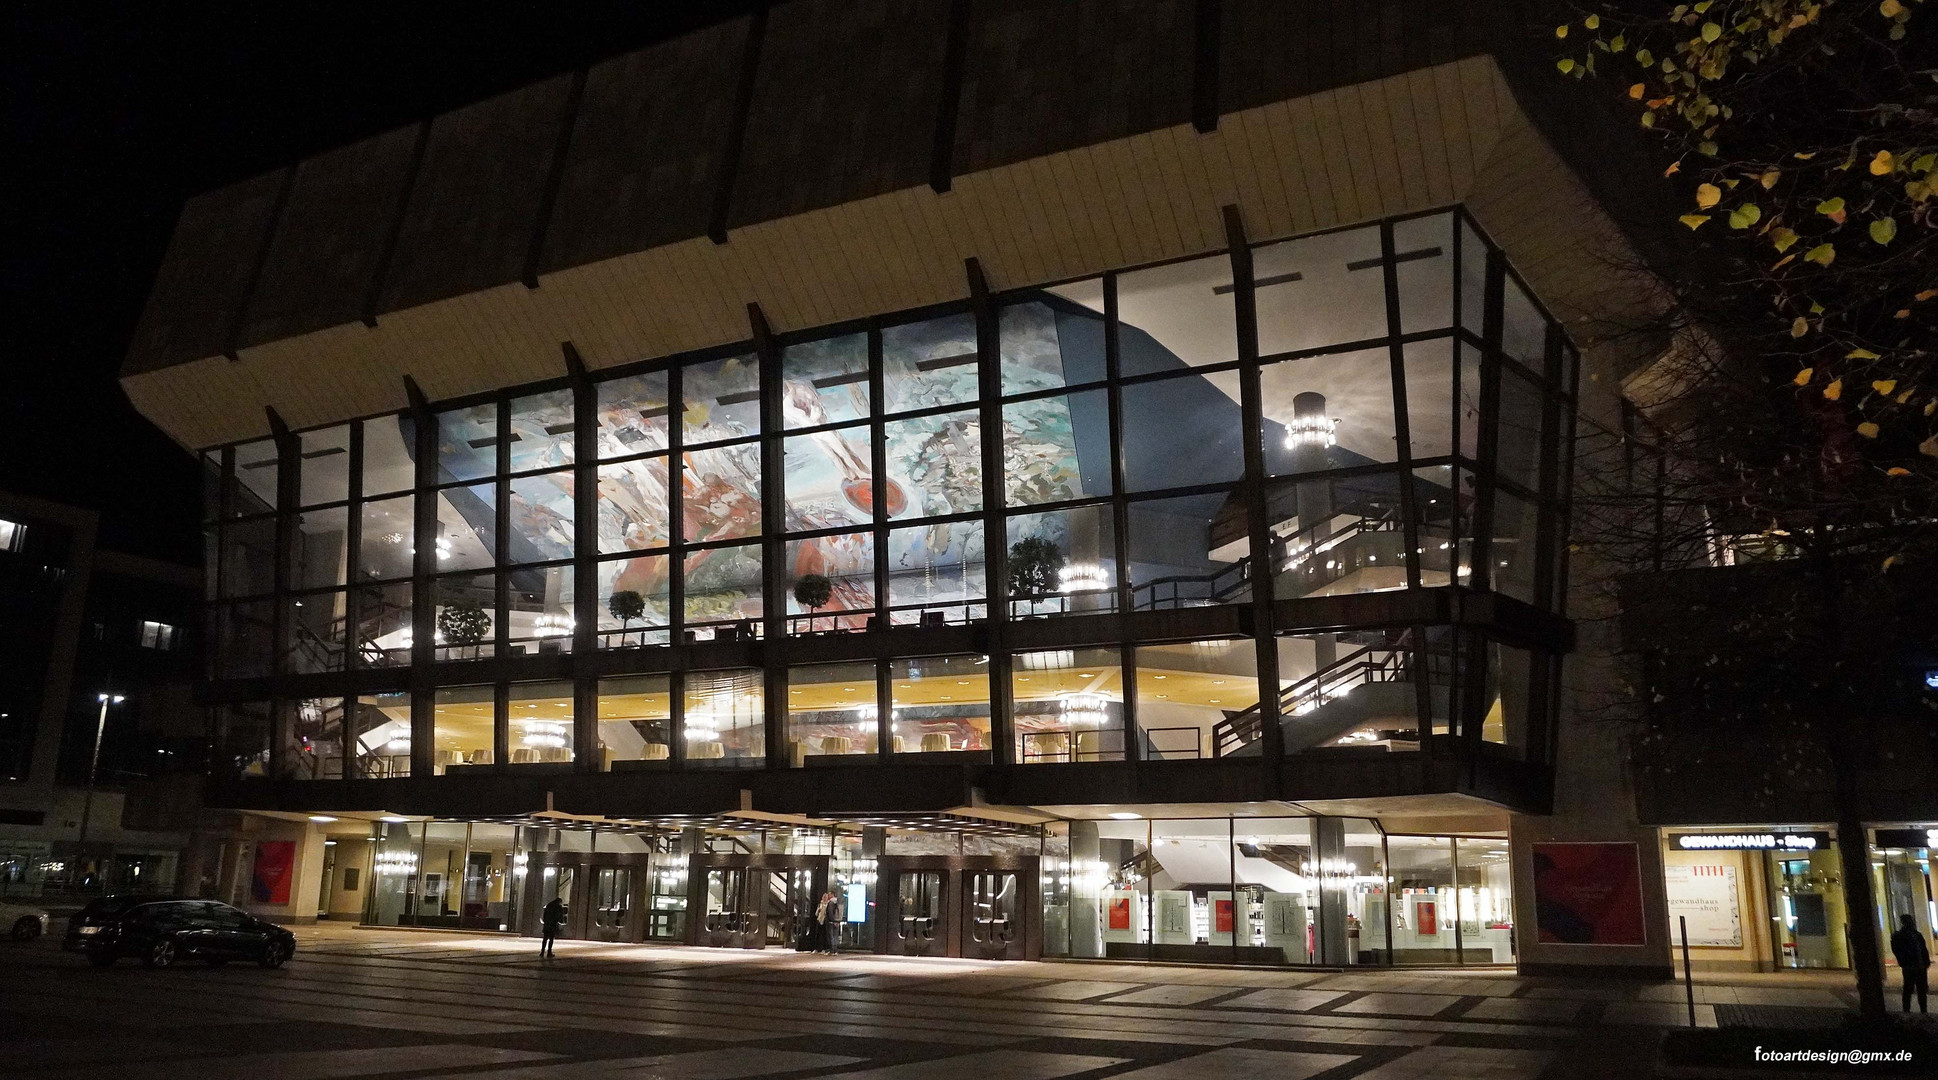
(157, 635)
(13, 535)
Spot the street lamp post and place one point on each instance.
(93, 766)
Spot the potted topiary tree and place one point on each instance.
(464, 624)
(626, 605)
(1034, 565)
(812, 592)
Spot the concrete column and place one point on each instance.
(1329, 844)
(1086, 904)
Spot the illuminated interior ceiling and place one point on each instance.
(1214, 690)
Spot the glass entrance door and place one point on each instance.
(612, 892)
(727, 917)
(919, 927)
(994, 926)
(790, 903)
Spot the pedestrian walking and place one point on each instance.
(826, 914)
(549, 922)
(1914, 958)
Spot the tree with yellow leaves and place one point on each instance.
(1793, 422)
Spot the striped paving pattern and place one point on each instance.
(402, 1005)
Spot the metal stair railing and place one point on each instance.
(1369, 664)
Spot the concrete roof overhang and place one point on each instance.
(1443, 134)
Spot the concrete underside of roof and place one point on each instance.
(1436, 136)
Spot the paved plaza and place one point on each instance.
(362, 1003)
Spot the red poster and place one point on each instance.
(275, 865)
(1427, 915)
(1120, 913)
(1588, 894)
(1222, 916)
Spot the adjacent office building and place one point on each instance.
(97, 666)
(1071, 486)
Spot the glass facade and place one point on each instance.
(1380, 409)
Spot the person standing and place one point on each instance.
(549, 921)
(1914, 958)
(826, 914)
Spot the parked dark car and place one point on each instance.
(161, 932)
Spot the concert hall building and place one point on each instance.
(1069, 486)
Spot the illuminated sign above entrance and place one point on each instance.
(1907, 838)
(1754, 841)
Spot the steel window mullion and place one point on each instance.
(1402, 427)
(501, 544)
(1114, 407)
(1258, 524)
(995, 525)
(878, 464)
(423, 612)
(1488, 436)
(772, 651)
(675, 524)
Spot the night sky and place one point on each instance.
(117, 113)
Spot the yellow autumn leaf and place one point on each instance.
(1674, 168)
(1711, 31)
(1930, 446)
(1888, 561)
(1835, 390)
(1884, 230)
(1708, 195)
(1822, 254)
(1867, 429)
(1860, 354)
(1768, 179)
(1897, 470)
(1565, 64)
(1904, 397)
(1926, 295)
(1783, 237)
(1561, 31)
(1890, 9)
(1884, 386)
(1881, 164)
(1803, 377)
(1831, 206)
(1694, 221)
(1798, 329)
(1635, 92)
(1745, 216)
(1592, 22)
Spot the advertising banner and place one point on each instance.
(275, 866)
(1221, 917)
(1588, 893)
(1120, 913)
(1706, 896)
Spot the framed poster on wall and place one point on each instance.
(1428, 916)
(1589, 893)
(1120, 913)
(1221, 916)
(275, 865)
(1706, 896)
